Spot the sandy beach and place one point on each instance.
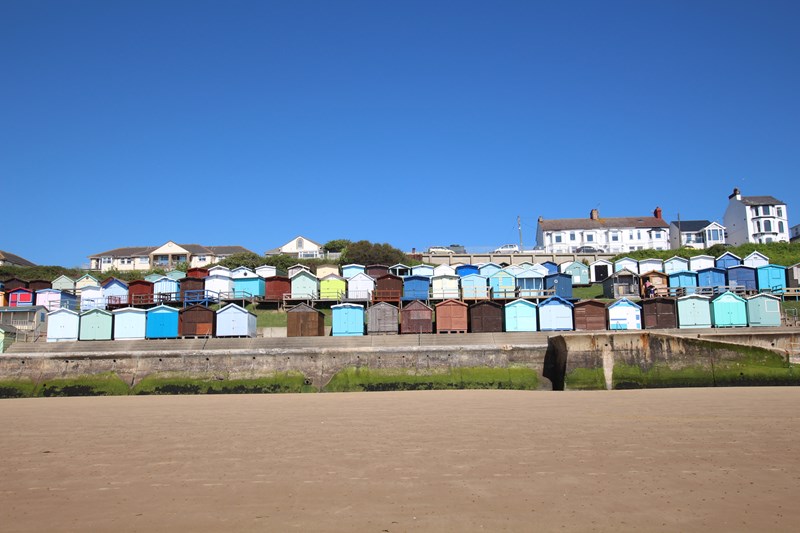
(644, 460)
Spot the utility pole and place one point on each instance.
(519, 227)
(680, 236)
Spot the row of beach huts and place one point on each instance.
(450, 316)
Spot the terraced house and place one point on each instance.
(167, 256)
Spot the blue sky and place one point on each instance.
(416, 123)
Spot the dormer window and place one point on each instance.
(299, 243)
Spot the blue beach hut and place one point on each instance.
(552, 268)
(162, 322)
(416, 288)
(555, 314)
(626, 263)
(466, 270)
(676, 264)
(561, 283)
(474, 287)
(347, 320)
(624, 314)
(764, 310)
(503, 285)
(530, 282)
(168, 288)
(115, 291)
(727, 260)
(743, 276)
(247, 281)
(487, 269)
(712, 277)
(771, 278)
(348, 271)
(728, 310)
(694, 311)
(422, 270)
(684, 279)
(520, 315)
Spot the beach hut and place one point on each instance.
(39, 284)
(21, 297)
(793, 276)
(376, 271)
(218, 282)
(513, 269)
(713, 278)
(162, 322)
(579, 273)
(520, 315)
(487, 269)
(92, 297)
(326, 270)
(444, 270)
(599, 270)
(743, 277)
(474, 287)
(360, 287)
(727, 260)
(268, 271)
(53, 299)
(423, 270)
(247, 282)
(332, 287)
(382, 319)
(764, 310)
(176, 274)
(130, 323)
(555, 314)
(694, 311)
(416, 288)
(348, 320)
(62, 325)
(503, 285)
(305, 286)
(651, 265)
(275, 287)
(463, 271)
(140, 292)
(166, 289)
(219, 270)
(451, 317)
(445, 286)
(626, 263)
(676, 264)
(87, 280)
(348, 271)
(552, 267)
(400, 270)
(64, 283)
(755, 259)
(622, 284)
(197, 272)
(152, 278)
(561, 283)
(728, 310)
(388, 288)
(701, 262)
(297, 268)
(659, 313)
(15, 283)
(659, 280)
(236, 321)
(196, 321)
(530, 282)
(193, 290)
(771, 278)
(416, 317)
(115, 292)
(486, 317)
(682, 283)
(590, 315)
(96, 325)
(624, 314)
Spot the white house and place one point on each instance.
(614, 235)
(165, 256)
(299, 247)
(757, 219)
(695, 234)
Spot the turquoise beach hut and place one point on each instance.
(96, 325)
(694, 311)
(348, 271)
(555, 314)
(503, 285)
(579, 273)
(728, 310)
(162, 322)
(764, 310)
(246, 281)
(487, 269)
(771, 278)
(347, 320)
(520, 315)
(685, 280)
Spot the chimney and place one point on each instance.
(657, 213)
(736, 194)
(541, 219)
(594, 214)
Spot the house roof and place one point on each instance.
(602, 223)
(194, 249)
(15, 259)
(691, 225)
(761, 200)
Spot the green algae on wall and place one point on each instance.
(280, 382)
(371, 379)
(17, 388)
(106, 384)
(585, 379)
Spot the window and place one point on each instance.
(126, 260)
(639, 235)
(758, 226)
(144, 260)
(780, 226)
(299, 243)
(657, 234)
(106, 260)
(712, 235)
(779, 212)
(767, 225)
(572, 235)
(630, 235)
(161, 259)
(590, 237)
(557, 237)
(765, 210)
(615, 237)
(201, 258)
(755, 211)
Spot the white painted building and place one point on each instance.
(613, 235)
(166, 256)
(697, 234)
(299, 247)
(757, 219)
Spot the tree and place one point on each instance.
(367, 253)
(337, 245)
